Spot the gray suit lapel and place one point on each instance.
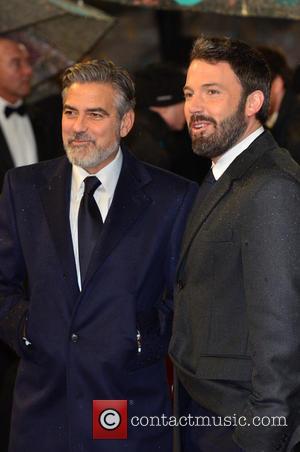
(236, 170)
(202, 209)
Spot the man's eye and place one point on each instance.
(213, 91)
(187, 95)
(96, 115)
(69, 113)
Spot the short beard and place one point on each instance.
(226, 135)
(88, 156)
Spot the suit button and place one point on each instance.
(74, 338)
(180, 284)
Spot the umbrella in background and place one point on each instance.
(288, 9)
(56, 32)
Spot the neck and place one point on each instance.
(9, 98)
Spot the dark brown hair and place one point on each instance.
(246, 62)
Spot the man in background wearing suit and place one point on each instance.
(236, 337)
(24, 139)
(97, 236)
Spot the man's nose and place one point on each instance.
(79, 124)
(195, 104)
(27, 69)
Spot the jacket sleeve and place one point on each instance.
(271, 269)
(155, 323)
(13, 303)
(165, 306)
(174, 245)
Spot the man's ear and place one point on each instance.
(254, 103)
(126, 123)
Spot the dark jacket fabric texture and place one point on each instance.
(8, 360)
(236, 337)
(84, 345)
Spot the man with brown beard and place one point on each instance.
(236, 339)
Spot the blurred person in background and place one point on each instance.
(160, 135)
(284, 113)
(24, 137)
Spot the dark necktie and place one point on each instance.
(21, 110)
(89, 224)
(206, 185)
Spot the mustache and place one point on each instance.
(199, 117)
(80, 136)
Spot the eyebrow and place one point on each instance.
(88, 110)
(205, 85)
(208, 85)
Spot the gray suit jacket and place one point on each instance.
(236, 340)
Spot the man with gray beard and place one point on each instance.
(236, 340)
(97, 236)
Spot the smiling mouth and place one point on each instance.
(200, 124)
(79, 142)
(201, 127)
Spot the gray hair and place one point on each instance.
(103, 71)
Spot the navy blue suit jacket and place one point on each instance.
(84, 344)
(46, 148)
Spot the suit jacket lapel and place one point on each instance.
(128, 204)
(235, 171)
(202, 209)
(6, 160)
(55, 193)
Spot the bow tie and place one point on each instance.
(21, 110)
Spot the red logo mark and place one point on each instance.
(110, 419)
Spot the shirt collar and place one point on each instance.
(108, 175)
(227, 158)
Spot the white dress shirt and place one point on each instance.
(227, 158)
(108, 176)
(18, 133)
